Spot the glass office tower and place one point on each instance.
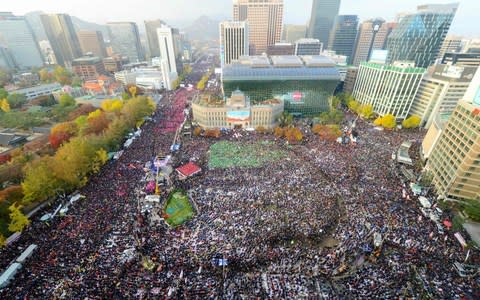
(419, 36)
(322, 18)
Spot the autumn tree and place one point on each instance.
(66, 100)
(97, 121)
(3, 241)
(261, 129)
(40, 182)
(285, 119)
(411, 122)
(212, 133)
(112, 105)
(293, 135)
(133, 91)
(389, 121)
(81, 110)
(197, 131)
(137, 108)
(61, 133)
(18, 220)
(279, 132)
(4, 105)
(62, 76)
(366, 110)
(3, 93)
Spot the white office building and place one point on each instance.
(233, 41)
(389, 88)
(440, 90)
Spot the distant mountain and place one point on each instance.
(203, 28)
(79, 24)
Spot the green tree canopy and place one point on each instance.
(66, 100)
(16, 100)
(3, 93)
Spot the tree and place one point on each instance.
(101, 157)
(327, 132)
(97, 121)
(4, 105)
(378, 121)
(261, 129)
(76, 81)
(389, 121)
(197, 131)
(112, 105)
(81, 110)
(61, 133)
(66, 100)
(353, 105)
(18, 220)
(201, 85)
(16, 100)
(411, 122)
(175, 84)
(366, 110)
(472, 209)
(285, 119)
(125, 96)
(5, 77)
(133, 91)
(3, 93)
(62, 76)
(40, 182)
(3, 241)
(293, 135)
(279, 132)
(187, 69)
(213, 133)
(45, 75)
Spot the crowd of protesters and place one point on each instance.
(299, 227)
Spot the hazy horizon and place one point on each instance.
(295, 12)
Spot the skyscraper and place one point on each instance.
(17, 36)
(265, 19)
(292, 33)
(233, 41)
(372, 35)
(455, 158)
(62, 36)
(169, 43)
(92, 41)
(323, 15)
(152, 37)
(125, 40)
(452, 44)
(308, 47)
(419, 36)
(343, 35)
(440, 90)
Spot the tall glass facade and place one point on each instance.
(419, 37)
(17, 36)
(322, 18)
(304, 90)
(125, 40)
(343, 35)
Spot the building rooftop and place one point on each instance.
(86, 59)
(286, 61)
(317, 61)
(254, 61)
(307, 41)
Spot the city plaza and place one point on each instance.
(312, 220)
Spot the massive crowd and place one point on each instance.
(300, 227)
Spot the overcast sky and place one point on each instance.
(296, 11)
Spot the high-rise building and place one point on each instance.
(440, 90)
(450, 44)
(389, 88)
(323, 15)
(62, 37)
(461, 59)
(233, 41)
(308, 47)
(343, 35)
(281, 49)
(168, 39)
(152, 37)
(6, 59)
(88, 67)
(454, 161)
(265, 19)
(372, 35)
(350, 79)
(472, 46)
(17, 36)
(92, 41)
(125, 40)
(292, 33)
(419, 36)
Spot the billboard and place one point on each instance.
(295, 97)
(238, 116)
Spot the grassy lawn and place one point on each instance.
(228, 155)
(178, 208)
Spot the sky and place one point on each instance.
(180, 11)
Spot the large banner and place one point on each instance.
(238, 116)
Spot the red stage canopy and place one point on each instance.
(189, 169)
